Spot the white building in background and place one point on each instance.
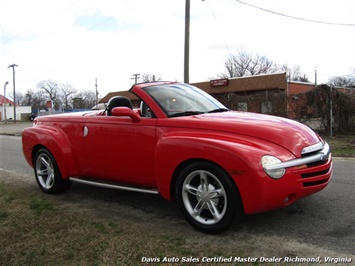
(7, 110)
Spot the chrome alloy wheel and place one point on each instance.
(45, 171)
(204, 197)
(48, 175)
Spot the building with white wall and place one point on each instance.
(7, 110)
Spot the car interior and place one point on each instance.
(118, 101)
(122, 101)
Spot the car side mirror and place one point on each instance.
(125, 111)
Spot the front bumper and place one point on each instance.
(304, 176)
(311, 157)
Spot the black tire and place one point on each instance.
(207, 197)
(47, 173)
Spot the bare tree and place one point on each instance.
(39, 100)
(293, 73)
(237, 65)
(260, 65)
(246, 64)
(28, 100)
(84, 100)
(67, 90)
(150, 77)
(19, 97)
(343, 81)
(50, 89)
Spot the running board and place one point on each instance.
(113, 186)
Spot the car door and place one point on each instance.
(119, 149)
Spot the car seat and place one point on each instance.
(118, 101)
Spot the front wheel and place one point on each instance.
(47, 173)
(207, 197)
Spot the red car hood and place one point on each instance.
(287, 133)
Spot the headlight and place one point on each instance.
(268, 160)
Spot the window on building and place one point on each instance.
(266, 107)
(242, 106)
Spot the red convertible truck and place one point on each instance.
(185, 145)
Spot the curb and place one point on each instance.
(16, 134)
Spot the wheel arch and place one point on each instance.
(35, 150)
(220, 152)
(178, 170)
(190, 161)
(55, 142)
(47, 172)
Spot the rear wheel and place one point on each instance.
(207, 197)
(47, 173)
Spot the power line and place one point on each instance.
(215, 18)
(298, 18)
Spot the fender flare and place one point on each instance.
(223, 153)
(55, 141)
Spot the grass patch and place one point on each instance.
(3, 215)
(39, 205)
(37, 229)
(341, 145)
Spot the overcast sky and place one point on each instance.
(76, 41)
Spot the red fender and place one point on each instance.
(241, 159)
(55, 141)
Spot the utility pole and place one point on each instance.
(187, 42)
(135, 77)
(4, 103)
(13, 77)
(97, 92)
(331, 111)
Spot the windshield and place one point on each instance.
(184, 99)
